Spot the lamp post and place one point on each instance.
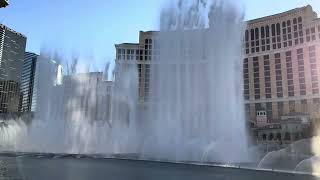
(4, 3)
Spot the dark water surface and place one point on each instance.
(75, 167)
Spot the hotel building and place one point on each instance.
(280, 65)
(12, 51)
(140, 54)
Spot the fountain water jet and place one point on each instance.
(288, 158)
(196, 106)
(196, 84)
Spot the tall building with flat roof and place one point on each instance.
(140, 54)
(281, 64)
(28, 82)
(12, 49)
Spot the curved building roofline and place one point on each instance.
(274, 16)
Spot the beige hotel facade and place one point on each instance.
(281, 64)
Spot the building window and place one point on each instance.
(308, 37)
(301, 72)
(269, 111)
(148, 50)
(247, 42)
(278, 75)
(289, 74)
(316, 104)
(304, 107)
(314, 70)
(287, 136)
(274, 39)
(278, 29)
(267, 78)
(120, 54)
(292, 106)
(256, 77)
(267, 38)
(264, 137)
(278, 35)
(130, 54)
(147, 82)
(252, 41)
(273, 30)
(246, 79)
(271, 136)
(247, 35)
(140, 74)
(263, 39)
(283, 24)
(284, 34)
(257, 33)
(298, 33)
(247, 110)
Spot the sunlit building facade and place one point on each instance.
(140, 54)
(281, 64)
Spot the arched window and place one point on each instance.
(271, 136)
(262, 32)
(252, 34)
(278, 29)
(289, 23)
(256, 33)
(273, 29)
(247, 35)
(287, 136)
(267, 31)
(283, 24)
(296, 136)
(264, 137)
(278, 136)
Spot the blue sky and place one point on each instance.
(91, 28)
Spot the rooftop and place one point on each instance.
(265, 18)
(127, 44)
(149, 32)
(9, 29)
(257, 20)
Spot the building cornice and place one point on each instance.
(9, 29)
(279, 15)
(126, 44)
(296, 98)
